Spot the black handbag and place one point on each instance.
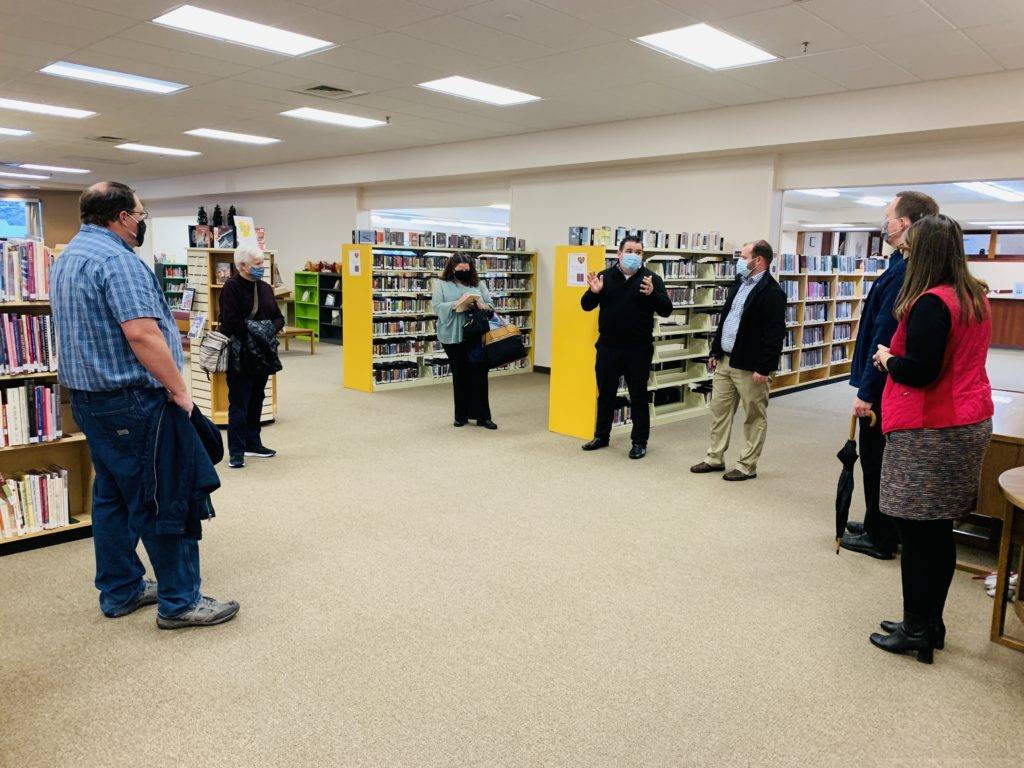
(503, 344)
(475, 324)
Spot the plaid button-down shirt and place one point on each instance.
(98, 283)
(731, 324)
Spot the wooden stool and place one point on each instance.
(1012, 483)
(288, 332)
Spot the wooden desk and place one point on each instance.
(1006, 451)
(288, 333)
(1007, 323)
(1011, 483)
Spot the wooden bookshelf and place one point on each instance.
(330, 293)
(70, 451)
(362, 266)
(211, 393)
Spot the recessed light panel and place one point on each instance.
(44, 109)
(13, 132)
(12, 175)
(466, 88)
(54, 168)
(110, 77)
(819, 192)
(334, 118)
(242, 138)
(992, 190)
(707, 47)
(876, 202)
(232, 29)
(132, 147)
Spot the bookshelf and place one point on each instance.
(389, 330)
(206, 270)
(307, 310)
(173, 279)
(69, 451)
(679, 385)
(330, 289)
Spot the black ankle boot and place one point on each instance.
(907, 637)
(936, 628)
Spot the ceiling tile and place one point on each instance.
(296, 17)
(476, 38)
(449, 6)
(720, 88)
(618, 63)
(134, 53)
(855, 68)
(1010, 56)
(386, 14)
(49, 12)
(784, 80)
(397, 70)
(883, 26)
(846, 15)
(933, 57)
(176, 40)
(416, 51)
(520, 78)
(999, 35)
(966, 13)
(657, 98)
(537, 23)
(783, 31)
(139, 10)
(627, 18)
(710, 10)
(322, 74)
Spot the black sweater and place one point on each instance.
(626, 318)
(762, 328)
(928, 326)
(236, 299)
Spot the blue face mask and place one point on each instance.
(256, 273)
(742, 269)
(631, 262)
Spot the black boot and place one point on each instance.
(909, 636)
(936, 628)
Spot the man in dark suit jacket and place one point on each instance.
(876, 536)
(744, 355)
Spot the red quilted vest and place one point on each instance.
(962, 393)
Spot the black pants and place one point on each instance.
(469, 384)
(634, 363)
(878, 527)
(926, 566)
(245, 404)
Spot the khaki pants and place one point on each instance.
(730, 387)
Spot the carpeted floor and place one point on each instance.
(416, 595)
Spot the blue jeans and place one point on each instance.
(118, 426)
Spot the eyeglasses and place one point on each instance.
(142, 215)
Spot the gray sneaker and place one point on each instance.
(146, 597)
(206, 613)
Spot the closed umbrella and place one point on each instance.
(844, 491)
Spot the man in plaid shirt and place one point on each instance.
(121, 360)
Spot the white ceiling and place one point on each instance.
(576, 54)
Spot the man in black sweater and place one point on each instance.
(744, 355)
(628, 294)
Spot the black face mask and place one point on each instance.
(140, 232)
(462, 277)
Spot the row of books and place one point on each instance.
(791, 311)
(790, 263)
(332, 300)
(610, 237)
(30, 414)
(495, 284)
(392, 372)
(399, 327)
(786, 362)
(812, 358)
(682, 296)
(439, 367)
(28, 344)
(792, 289)
(391, 283)
(814, 335)
(816, 290)
(507, 303)
(401, 237)
(671, 270)
(390, 306)
(404, 347)
(790, 341)
(205, 236)
(846, 289)
(839, 355)
(34, 501)
(815, 313)
(25, 270)
(842, 332)
(844, 310)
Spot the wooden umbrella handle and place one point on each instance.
(853, 424)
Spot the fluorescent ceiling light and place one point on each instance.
(13, 132)
(44, 109)
(476, 90)
(54, 168)
(819, 192)
(12, 175)
(110, 77)
(877, 202)
(992, 190)
(500, 206)
(232, 29)
(243, 138)
(705, 46)
(334, 118)
(997, 223)
(158, 150)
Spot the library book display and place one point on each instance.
(208, 269)
(389, 329)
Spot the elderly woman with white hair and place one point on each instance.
(246, 297)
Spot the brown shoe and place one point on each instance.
(704, 467)
(737, 475)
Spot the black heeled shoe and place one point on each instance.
(486, 424)
(460, 422)
(906, 639)
(937, 630)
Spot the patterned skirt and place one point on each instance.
(932, 474)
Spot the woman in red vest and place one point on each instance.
(937, 418)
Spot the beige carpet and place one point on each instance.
(416, 595)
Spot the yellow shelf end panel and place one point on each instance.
(357, 316)
(572, 400)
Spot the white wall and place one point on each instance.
(733, 196)
(301, 226)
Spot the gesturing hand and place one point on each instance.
(647, 286)
(595, 281)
